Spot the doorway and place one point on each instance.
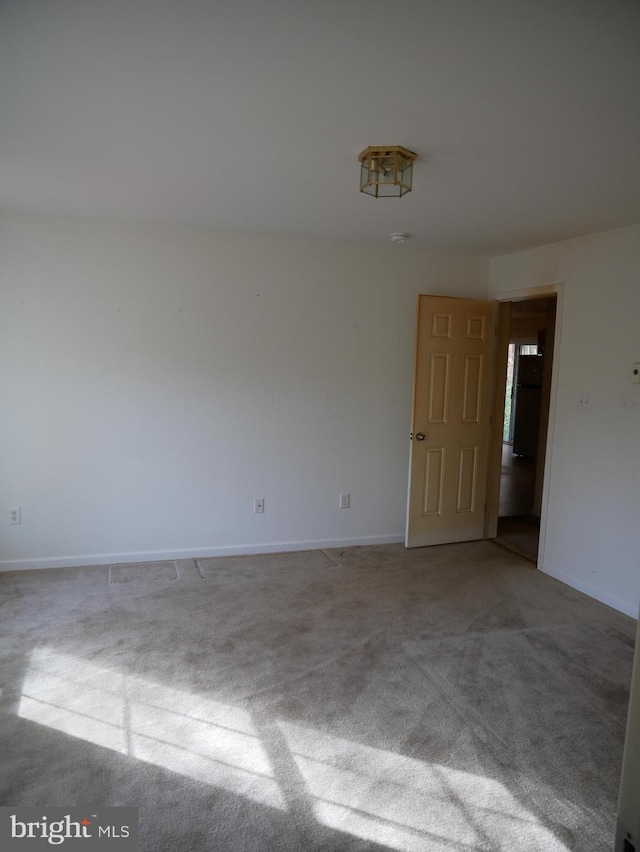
(524, 424)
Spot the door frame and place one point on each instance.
(504, 298)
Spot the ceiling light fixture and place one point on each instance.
(399, 238)
(386, 172)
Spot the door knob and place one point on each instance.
(420, 436)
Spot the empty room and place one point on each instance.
(288, 292)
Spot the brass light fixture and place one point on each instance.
(386, 172)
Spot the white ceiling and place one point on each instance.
(250, 114)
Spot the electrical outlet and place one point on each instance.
(15, 516)
(258, 506)
(345, 501)
(584, 401)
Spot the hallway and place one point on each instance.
(518, 528)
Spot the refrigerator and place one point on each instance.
(527, 405)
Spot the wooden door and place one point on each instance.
(452, 405)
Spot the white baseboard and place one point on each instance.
(190, 553)
(626, 607)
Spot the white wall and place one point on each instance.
(154, 380)
(593, 519)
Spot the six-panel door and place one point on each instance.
(453, 387)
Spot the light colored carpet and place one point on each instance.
(435, 700)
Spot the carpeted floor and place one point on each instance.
(434, 700)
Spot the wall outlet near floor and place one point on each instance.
(258, 506)
(345, 501)
(15, 515)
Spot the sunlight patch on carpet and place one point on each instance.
(407, 804)
(372, 794)
(196, 737)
